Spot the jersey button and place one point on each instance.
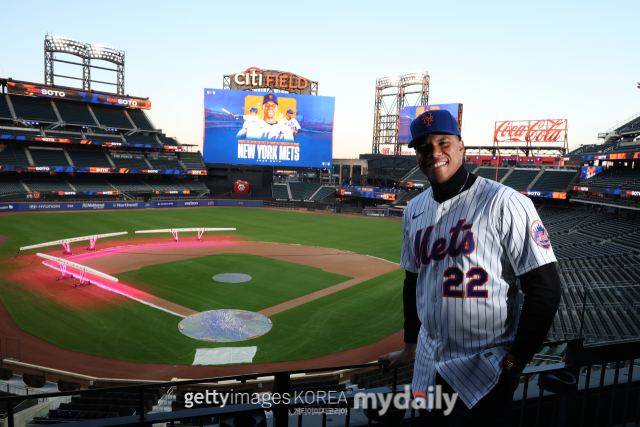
(437, 359)
(435, 267)
(435, 299)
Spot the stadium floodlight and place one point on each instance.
(83, 269)
(65, 242)
(175, 231)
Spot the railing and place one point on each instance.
(593, 385)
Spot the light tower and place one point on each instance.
(86, 52)
(393, 93)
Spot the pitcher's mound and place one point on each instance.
(231, 277)
(228, 325)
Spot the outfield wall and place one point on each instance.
(59, 206)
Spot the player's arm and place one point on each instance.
(541, 289)
(533, 261)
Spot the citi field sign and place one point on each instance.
(548, 130)
(256, 78)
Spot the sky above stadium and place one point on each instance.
(503, 60)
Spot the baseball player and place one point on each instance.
(249, 120)
(291, 122)
(469, 245)
(269, 128)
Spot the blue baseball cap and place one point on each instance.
(253, 110)
(289, 111)
(435, 121)
(269, 97)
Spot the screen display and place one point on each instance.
(407, 114)
(587, 172)
(272, 129)
(74, 95)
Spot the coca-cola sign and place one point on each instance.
(547, 130)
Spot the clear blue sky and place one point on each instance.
(502, 60)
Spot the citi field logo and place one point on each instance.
(255, 77)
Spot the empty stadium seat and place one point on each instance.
(47, 185)
(324, 192)
(13, 156)
(44, 157)
(554, 180)
(89, 158)
(302, 190)
(33, 109)
(75, 113)
(280, 191)
(490, 173)
(140, 119)
(520, 179)
(5, 112)
(112, 117)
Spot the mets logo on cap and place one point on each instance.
(540, 235)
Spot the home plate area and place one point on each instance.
(228, 325)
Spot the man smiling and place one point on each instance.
(469, 245)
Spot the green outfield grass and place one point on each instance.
(127, 330)
(189, 282)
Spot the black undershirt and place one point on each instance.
(541, 287)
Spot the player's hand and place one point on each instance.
(399, 358)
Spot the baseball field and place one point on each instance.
(328, 283)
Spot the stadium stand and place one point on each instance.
(404, 198)
(194, 185)
(520, 179)
(470, 167)
(164, 164)
(113, 117)
(101, 136)
(89, 158)
(76, 113)
(142, 139)
(130, 163)
(48, 157)
(279, 191)
(167, 140)
(11, 186)
(302, 190)
(59, 134)
(164, 184)
(323, 192)
(33, 109)
(554, 180)
(614, 178)
(92, 185)
(416, 175)
(490, 173)
(140, 119)
(129, 184)
(5, 112)
(47, 185)
(5, 130)
(13, 156)
(192, 161)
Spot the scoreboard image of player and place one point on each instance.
(266, 128)
(407, 114)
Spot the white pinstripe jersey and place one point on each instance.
(468, 252)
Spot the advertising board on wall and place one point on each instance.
(270, 129)
(74, 95)
(407, 114)
(548, 130)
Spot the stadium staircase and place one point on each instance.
(289, 191)
(29, 157)
(535, 179)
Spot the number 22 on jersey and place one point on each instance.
(453, 287)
